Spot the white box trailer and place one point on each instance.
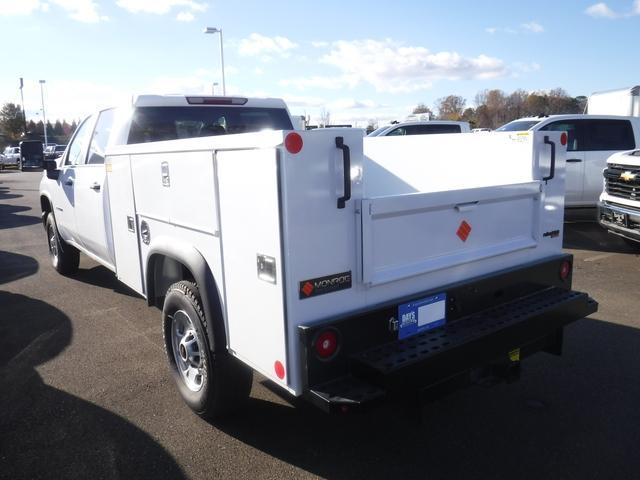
(623, 101)
(324, 236)
(344, 269)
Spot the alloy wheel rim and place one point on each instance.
(188, 351)
(53, 245)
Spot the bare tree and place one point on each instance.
(450, 107)
(325, 118)
(421, 108)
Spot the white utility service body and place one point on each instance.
(325, 260)
(242, 199)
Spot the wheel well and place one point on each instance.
(45, 206)
(164, 271)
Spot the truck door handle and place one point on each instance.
(346, 166)
(573, 160)
(95, 186)
(69, 181)
(552, 169)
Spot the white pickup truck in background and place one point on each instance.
(619, 207)
(344, 269)
(592, 139)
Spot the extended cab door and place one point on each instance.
(93, 220)
(575, 170)
(64, 196)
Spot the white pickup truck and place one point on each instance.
(344, 269)
(592, 139)
(619, 207)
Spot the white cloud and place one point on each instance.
(160, 7)
(321, 44)
(636, 8)
(304, 102)
(266, 47)
(21, 7)
(81, 10)
(390, 66)
(328, 83)
(601, 10)
(185, 17)
(533, 27)
(528, 27)
(85, 11)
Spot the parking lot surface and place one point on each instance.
(85, 391)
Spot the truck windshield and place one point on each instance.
(517, 126)
(156, 124)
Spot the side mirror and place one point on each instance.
(51, 167)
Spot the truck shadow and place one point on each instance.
(48, 433)
(102, 277)
(14, 266)
(9, 217)
(591, 236)
(570, 417)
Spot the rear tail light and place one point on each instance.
(293, 142)
(216, 100)
(326, 344)
(565, 270)
(563, 138)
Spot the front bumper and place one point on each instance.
(494, 338)
(620, 220)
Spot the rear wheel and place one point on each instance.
(64, 258)
(212, 384)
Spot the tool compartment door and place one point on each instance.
(413, 234)
(248, 199)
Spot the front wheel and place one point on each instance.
(212, 384)
(64, 258)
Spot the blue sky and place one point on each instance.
(356, 60)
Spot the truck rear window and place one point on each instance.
(156, 124)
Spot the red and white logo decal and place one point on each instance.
(464, 230)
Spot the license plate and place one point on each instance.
(620, 218)
(421, 315)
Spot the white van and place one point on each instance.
(591, 140)
(623, 101)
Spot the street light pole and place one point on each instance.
(24, 115)
(219, 30)
(44, 117)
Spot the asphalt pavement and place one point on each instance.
(85, 392)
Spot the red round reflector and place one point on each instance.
(293, 142)
(563, 138)
(565, 270)
(279, 368)
(326, 344)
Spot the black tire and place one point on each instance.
(64, 257)
(224, 383)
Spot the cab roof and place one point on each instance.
(199, 99)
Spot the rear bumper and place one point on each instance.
(626, 225)
(451, 356)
